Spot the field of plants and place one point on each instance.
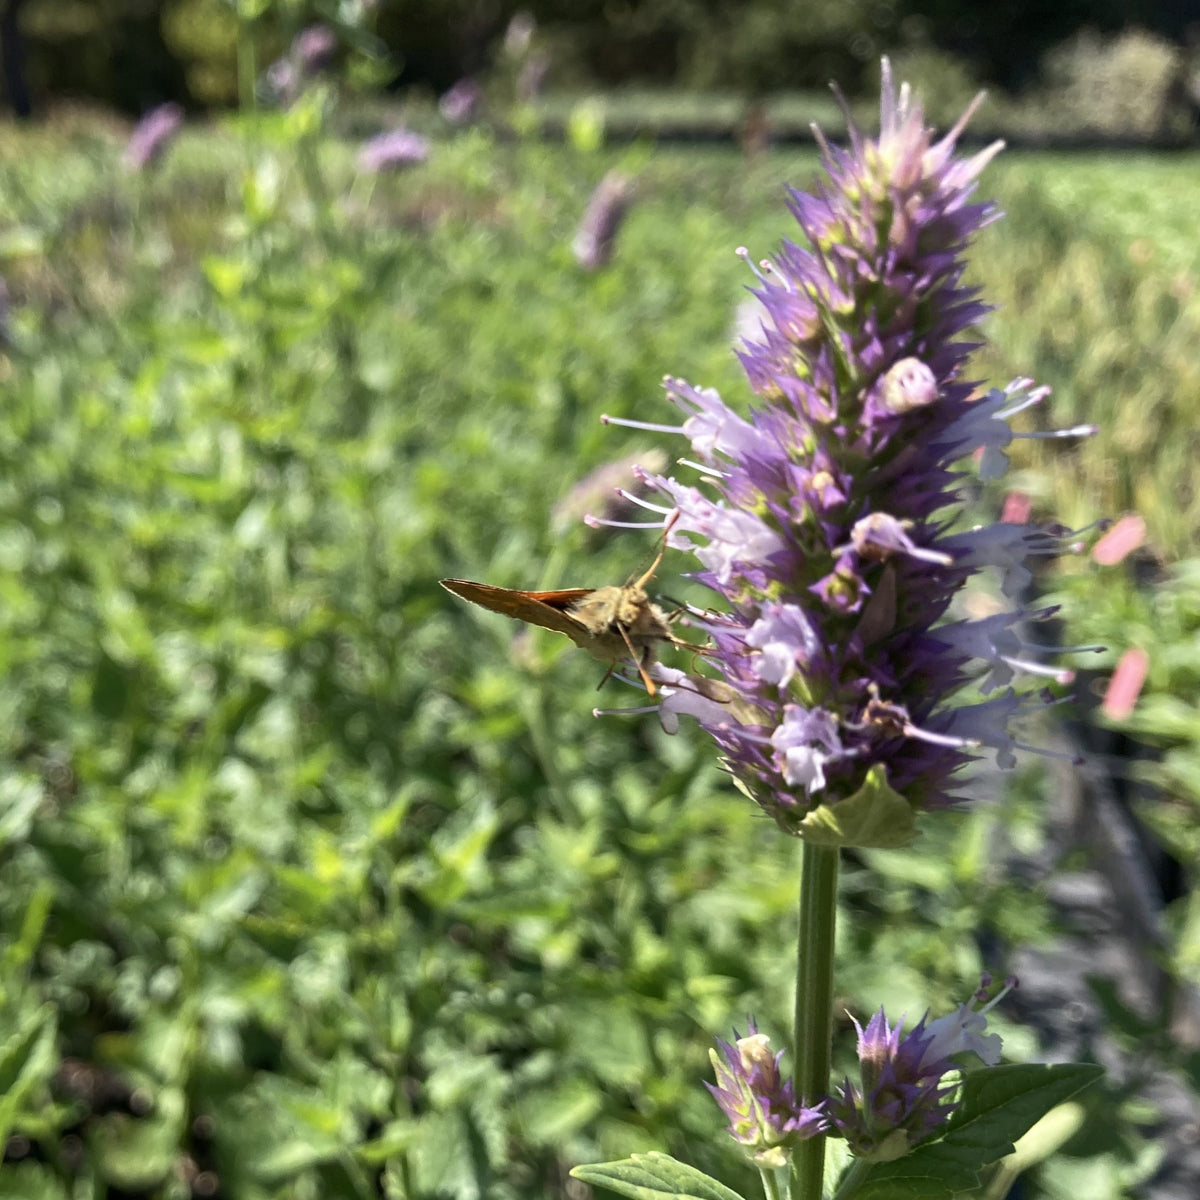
(315, 882)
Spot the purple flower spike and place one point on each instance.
(823, 517)
(151, 136)
(314, 48)
(460, 104)
(903, 1096)
(759, 1102)
(392, 150)
(597, 236)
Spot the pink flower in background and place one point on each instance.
(1120, 541)
(152, 135)
(1126, 683)
(1017, 509)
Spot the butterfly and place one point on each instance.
(610, 623)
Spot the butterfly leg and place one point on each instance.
(640, 663)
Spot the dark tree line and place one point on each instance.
(133, 53)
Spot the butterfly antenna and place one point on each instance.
(662, 548)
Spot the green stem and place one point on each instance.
(341, 328)
(247, 64)
(812, 1042)
(851, 1179)
(770, 1182)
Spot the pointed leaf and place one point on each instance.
(875, 815)
(999, 1104)
(654, 1176)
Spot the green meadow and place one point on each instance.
(316, 882)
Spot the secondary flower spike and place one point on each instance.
(759, 1102)
(903, 1095)
(827, 519)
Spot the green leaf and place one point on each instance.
(875, 815)
(139, 1152)
(27, 1059)
(654, 1176)
(999, 1105)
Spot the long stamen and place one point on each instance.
(702, 468)
(594, 522)
(1010, 985)
(744, 254)
(1063, 675)
(625, 712)
(1073, 432)
(1034, 397)
(633, 498)
(650, 426)
(940, 739)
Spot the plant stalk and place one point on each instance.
(813, 1036)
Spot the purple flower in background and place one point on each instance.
(903, 1095)
(518, 36)
(313, 48)
(759, 1103)
(311, 51)
(152, 135)
(596, 238)
(531, 78)
(392, 150)
(823, 517)
(283, 82)
(460, 104)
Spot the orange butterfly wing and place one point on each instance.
(547, 609)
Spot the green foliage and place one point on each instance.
(310, 877)
(1119, 86)
(654, 1177)
(1100, 250)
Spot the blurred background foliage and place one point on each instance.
(1117, 67)
(316, 883)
